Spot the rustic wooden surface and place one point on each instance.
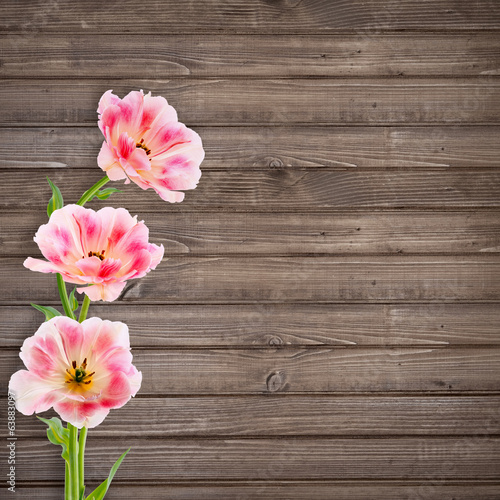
(326, 322)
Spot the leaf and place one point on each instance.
(73, 301)
(104, 194)
(56, 201)
(101, 490)
(49, 312)
(58, 434)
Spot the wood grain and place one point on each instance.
(288, 279)
(384, 101)
(166, 56)
(278, 325)
(274, 190)
(205, 234)
(260, 148)
(289, 416)
(307, 371)
(274, 459)
(432, 488)
(240, 16)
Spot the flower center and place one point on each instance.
(143, 146)
(77, 375)
(95, 254)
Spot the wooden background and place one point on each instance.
(326, 323)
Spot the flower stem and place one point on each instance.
(81, 452)
(74, 488)
(66, 483)
(90, 193)
(84, 310)
(64, 297)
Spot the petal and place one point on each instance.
(81, 413)
(42, 266)
(108, 162)
(107, 292)
(117, 391)
(156, 254)
(32, 394)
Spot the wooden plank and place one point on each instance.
(289, 416)
(273, 459)
(240, 16)
(110, 56)
(264, 325)
(306, 370)
(433, 488)
(257, 148)
(287, 279)
(294, 233)
(274, 190)
(384, 101)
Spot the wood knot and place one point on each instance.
(274, 341)
(275, 381)
(275, 163)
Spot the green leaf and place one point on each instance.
(49, 312)
(58, 434)
(101, 490)
(56, 201)
(104, 194)
(73, 301)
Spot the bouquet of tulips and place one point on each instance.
(83, 367)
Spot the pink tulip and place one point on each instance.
(102, 249)
(82, 370)
(145, 143)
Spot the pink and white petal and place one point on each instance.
(81, 413)
(135, 379)
(89, 266)
(139, 160)
(156, 112)
(109, 268)
(167, 194)
(41, 266)
(125, 146)
(110, 123)
(117, 391)
(134, 240)
(107, 292)
(177, 173)
(104, 336)
(157, 253)
(138, 265)
(106, 159)
(72, 338)
(107, 99)
(32, 394)
(121, 223)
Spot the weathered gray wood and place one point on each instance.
(241, 16)
(287, 279)
(432, 488)
(165, 56)
(274, 190)
(384, 101)
(254, 148)
(264, 325)
(294, 234)
(305, 370)
(466, 457)
(289, 416)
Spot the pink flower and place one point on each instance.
(145, 143)
(103, 249)
(82, 370)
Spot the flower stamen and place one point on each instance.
(77, 374)
(143, 146)
(95, 254)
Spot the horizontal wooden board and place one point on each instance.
(384, 101)
(301, 370)
(241, 16)
(430, 489)
(275, 325)
(287, 279)
(257, 148)
(289, 416)
(294, 233)
(272, 459)
(276, 190)
(165, 56)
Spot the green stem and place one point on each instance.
(84, 310)
(64, 297)
(90, 193)
(81, 459)
(74, 488)
(66, 483)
